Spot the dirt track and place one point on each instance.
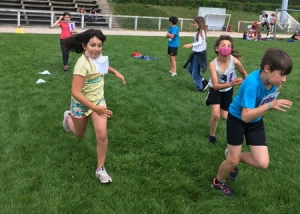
(44, 30)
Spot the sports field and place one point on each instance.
(158, 157)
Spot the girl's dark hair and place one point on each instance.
(221, 38)
(277, 59)
(201, 22)
(66, 14)
(75, 43)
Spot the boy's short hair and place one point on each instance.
(277, 59)
(173, 19)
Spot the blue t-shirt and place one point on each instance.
(250, 95)
(174, 43)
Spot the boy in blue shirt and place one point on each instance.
(256, 96)
(173, 43)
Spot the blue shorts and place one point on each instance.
(79, 111)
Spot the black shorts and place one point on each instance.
(172, 51)
(254, 132)
(222, 98)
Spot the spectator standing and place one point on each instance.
(64, 22)
(198, 60)
(173, 43)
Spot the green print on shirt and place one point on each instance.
(94, 80)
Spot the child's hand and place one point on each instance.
(103, 112)
(188, 46)
(280, 104)
(236, 81)
(121, 77)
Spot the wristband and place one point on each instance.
(269, 106)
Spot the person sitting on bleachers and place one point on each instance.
(93, 15)
(82, 10)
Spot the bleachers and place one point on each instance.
(43, 7)
(63, 6)
(35, 5)
(12, 4)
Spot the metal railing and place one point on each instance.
(108, 17)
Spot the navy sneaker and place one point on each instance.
(222, 187)
(235, 172)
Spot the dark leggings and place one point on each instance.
(65, 54)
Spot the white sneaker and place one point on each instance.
(174, 74)
(64, 123)
(170, 72)
(103, 176)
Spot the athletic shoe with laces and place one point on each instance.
(235, 172)
(222, 187)
(205, 84)
(212, 139)
(103, 176)
(64, 123)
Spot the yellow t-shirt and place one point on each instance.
(93, 87)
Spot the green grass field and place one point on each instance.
(158, 155)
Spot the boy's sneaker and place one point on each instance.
(222, 187)
(64, 123)
(235, 172)
(212, 139)
(205, 84)
(174, 74)
(103, 176)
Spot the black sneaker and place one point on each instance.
(200, 90)
(234, 174)
(212, 139)
(207, 101)
(222, 187)
(205, 84)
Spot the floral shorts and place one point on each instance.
(78, 110)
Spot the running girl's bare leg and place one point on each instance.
(100, 124)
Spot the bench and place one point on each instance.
(217, 21)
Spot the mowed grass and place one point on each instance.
(158, 155)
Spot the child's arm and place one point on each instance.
(77, 84)
(251, 114)
(238, 65)
(214, 79)
(55, 24)
(170, 35)
(117, 73)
